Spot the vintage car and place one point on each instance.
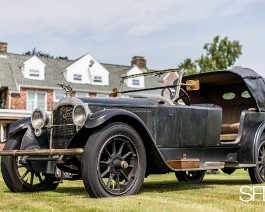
(214, 120)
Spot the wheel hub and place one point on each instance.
(120, 164)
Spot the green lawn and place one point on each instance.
(219, 192)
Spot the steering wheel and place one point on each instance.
(183, 96)
(168, 92)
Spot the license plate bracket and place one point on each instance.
(61, 174)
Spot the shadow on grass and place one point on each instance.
(71, 190)
(177, 186)
(67, 190)
(162, 186)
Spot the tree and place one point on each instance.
(34, 52)
(189, 66)
(220, 54)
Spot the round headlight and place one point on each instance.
(39, 119)
(80, 114)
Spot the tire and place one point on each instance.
(190, 176)
(17, 177)
(114, 161)
(257, 174)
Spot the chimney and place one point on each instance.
(139, 61)
(3, 48)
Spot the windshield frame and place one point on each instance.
(118, 92)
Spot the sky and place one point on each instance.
(165, 32)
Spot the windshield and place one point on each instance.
(151, 83)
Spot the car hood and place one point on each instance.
(133, 102)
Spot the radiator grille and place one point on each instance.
(61, 135)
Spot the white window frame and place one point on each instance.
(81, 92)
(36, 99)
(77, 77)
(97, 79)
(103, 95)
(34, 73)
(3, 132)
(54, 95)
(136, 84)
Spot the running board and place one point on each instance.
(217, 165)
(42, 152)
(228, 164)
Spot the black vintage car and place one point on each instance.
(213, 121)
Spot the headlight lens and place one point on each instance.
(80, 114)
(39, 119)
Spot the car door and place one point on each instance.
(189, 126)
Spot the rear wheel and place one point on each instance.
(190, 176)
(16, 175)
(114, 161)
(257, 174)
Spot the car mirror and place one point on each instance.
(114, 92)
(192, 85)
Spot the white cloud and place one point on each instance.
(134, 17)
(165, 31)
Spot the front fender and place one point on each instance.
(19, 125)
(156, 162)
(28, 139)
(102, 116)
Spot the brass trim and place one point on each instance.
(42, 152)
(192, 85)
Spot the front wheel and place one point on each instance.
(257, 174)
(18, 177)
(114, 161)
(190, 176)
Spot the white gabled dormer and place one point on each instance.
(87, 70)
(33, 68)
(137, 82)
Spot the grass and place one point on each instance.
(159, 193)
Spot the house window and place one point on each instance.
(34, 73)
(3, 130)
(77, 77)
(97, 79)
(58, 94)
(102, 95)
(81, 94)
(36, 100)
(2, 99)
(136, 82)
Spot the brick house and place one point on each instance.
(168, 79)
(27, 82)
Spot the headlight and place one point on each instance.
(39, 119)
(80, 114)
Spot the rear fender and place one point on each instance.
(250, 142)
